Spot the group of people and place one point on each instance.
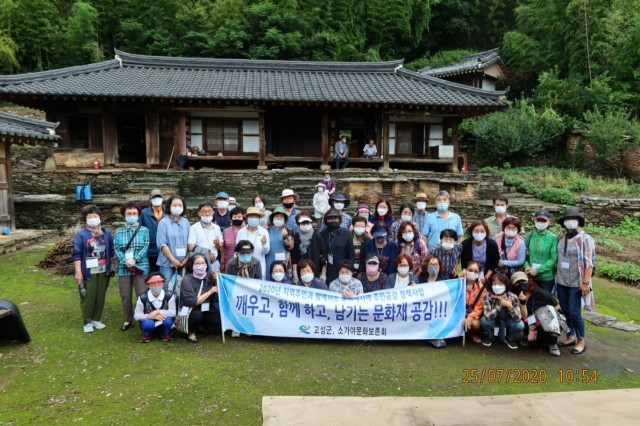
(509, 275)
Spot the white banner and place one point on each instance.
(424, 311)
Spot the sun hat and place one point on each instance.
(278, 210)
(573, 212)
(288, 193)
(340, 198)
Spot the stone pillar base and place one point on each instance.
(263, 168)
(50, 164)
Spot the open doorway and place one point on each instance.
(131, 139)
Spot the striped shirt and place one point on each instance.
(449, 259)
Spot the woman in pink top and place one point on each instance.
(230, 233)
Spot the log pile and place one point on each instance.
(58, 260)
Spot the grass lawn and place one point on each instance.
(108, 377)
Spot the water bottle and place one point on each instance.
(82, 289)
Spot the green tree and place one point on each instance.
(8, 61)
(82, 36)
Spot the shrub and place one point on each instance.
(628, 227)
(558, 196)
(529, 188)
(490, 170)
(625, 272)
(579, 186)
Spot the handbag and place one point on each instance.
(549, 319)
(135, 269)
(182, 319)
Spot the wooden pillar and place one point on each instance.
(325, 141)
(385, 148)
(6, 190)
(179, 137)
(262, 142)
(110, 138)
(454, 141)
(152, 136)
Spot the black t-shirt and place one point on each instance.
(540, 298)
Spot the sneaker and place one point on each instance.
(487, 341)
(554, 350)
(167, 338)
(88, 328)
(510, 344)
(524, 343)
(98, 325)
(145, 339)
(235, 334)
(438, 343)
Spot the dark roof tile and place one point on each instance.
(29, 128)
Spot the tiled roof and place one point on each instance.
(27, 128)
(154, 77)
(467, 64)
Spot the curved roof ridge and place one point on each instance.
(133, 59)
(59, 73)
(19, 119)
(491, 94)
(16, 125)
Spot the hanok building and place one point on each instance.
(18, 130)
(145, 111)
(484, 70)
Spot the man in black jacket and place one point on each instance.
(338, 242)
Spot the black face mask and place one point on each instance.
(288, 205)
(380, 240)
(237, 222)
(333, 225)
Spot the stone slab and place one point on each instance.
(624, 326)
(611, 407)
(597, 318)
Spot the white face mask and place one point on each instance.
(320, 189)
(278, 276)
(472, 276)
(222, 204)
(156, 201)
(501, 209)
(408, 236)
(307, 278)
(403, 270)
(571, 224)
(93, 222)
(406, 217)
(498, 288)
(510, 233)
(421, 205)
(206, 219)
(259, 205)
(447, 246)
(479, 236)
(358, 231)
(176, 211)
(345, 278)
(541, 226)
(338, 206)
(305, 228)
(382, 212)
(278, 222)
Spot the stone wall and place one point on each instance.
(631, 161)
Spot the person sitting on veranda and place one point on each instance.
(370, 150)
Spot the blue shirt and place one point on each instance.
(434, 224)
(291, 221)
(149, 221)
(276, 245)
(174, 235)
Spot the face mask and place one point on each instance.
(131, 220)
(304, 228)
(372, 268)
(326, 179)
(358, 231)
(381, 240)
(156, 201)
(345, 278)
(206, 219)
(155, 291)
(406, 217)
(333, 225)
(259, 206)
(442, 207)
(176, 211)
(237, 222)
(433, 270)
(306, 278)
(93, 222)
(571, 224)
(447, 246)
(498, 288)
(245, 258)
(288, 205)
(408, 237)
(403, 270)
(382, 212)
(510, 233)
(278, 276)
(472, 275)
(199, 271)
(364, 215)
(501, 209)
(479, 236)
(253, 221)
(278, 222)
(541, 226)
(338, 206)
(320, 189)
(421, 205)
(222, 204)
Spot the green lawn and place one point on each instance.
(108, 377)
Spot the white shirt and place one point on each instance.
(259, 249)
(156, 302)
(401, 282)
(204, 237)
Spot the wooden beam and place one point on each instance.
(110, 138)
(152, 136)
(454, 141)
(324, 137)
(262, 142)
(180, 135)
(385, 148)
